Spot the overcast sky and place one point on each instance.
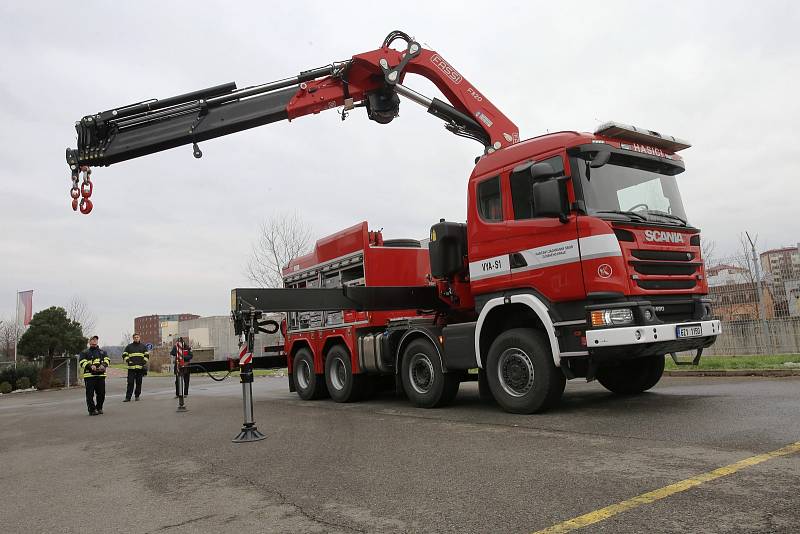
(171, 234)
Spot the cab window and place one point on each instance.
(490, 203)
(522, 185)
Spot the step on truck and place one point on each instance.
(576, 259)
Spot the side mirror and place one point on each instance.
(540, 171)
(549, 199)
(600, 159)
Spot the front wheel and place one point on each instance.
(521, 372)
(632, 376)
(424, 381)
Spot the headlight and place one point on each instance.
(618, 316)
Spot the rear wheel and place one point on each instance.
(342, 384)
(632, 376)
(309, 386)
(424, 381)
(521, 372)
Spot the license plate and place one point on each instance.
(689, 330)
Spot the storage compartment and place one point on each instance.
(447, 248)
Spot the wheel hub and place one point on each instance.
(420, 373)
(303, 375)
(515, 372)
(338, 374)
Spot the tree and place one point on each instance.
(127, 337)
(50, 333)
(10, 331)
(283, 238)
(707, 248)
(79, 311)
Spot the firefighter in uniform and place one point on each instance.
(136, 357)
(185, 351)
(93, 363)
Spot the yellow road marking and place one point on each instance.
(651, 496)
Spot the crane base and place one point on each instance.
(249, 433)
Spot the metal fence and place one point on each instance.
(759, 305)
(777, 336)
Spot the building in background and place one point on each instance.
(158, 329)
(216, 333)
(781, 264)
(734, 292)
(781, 268)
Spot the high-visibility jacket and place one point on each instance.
(136, 355)
(97, 357)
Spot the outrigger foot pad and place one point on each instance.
(249, 433)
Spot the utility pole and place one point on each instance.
(759, 294)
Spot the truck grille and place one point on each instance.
(666, 284)
(664, 269)
(662, 255)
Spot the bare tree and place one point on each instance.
(283, 237)
(10, 331)
(707, 247)
(79, 311)
(127, 337)
(745, 259)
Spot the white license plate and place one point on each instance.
(689, 330)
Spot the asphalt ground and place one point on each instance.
(384, 466)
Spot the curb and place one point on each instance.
(736, 372)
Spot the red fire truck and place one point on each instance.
(576, 258)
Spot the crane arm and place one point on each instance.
(372, 80)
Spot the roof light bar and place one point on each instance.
(618, 130)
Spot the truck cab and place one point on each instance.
(585, 236)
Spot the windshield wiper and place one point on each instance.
(631, 214)
(668, 216)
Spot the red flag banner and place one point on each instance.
(24, 307)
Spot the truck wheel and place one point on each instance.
(521, 372)
(632, 376)
(342, 384)
(310, 386)
(424, 381)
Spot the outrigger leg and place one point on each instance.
(249, 430)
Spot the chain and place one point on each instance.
(75, 192)
(80, 192)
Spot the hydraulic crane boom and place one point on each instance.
(373, 80)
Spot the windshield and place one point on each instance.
(630, 187)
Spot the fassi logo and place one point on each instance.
(445, 67)
(663, 237)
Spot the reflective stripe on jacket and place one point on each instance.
(136, 356)
(94, 356)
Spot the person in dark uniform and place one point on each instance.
(181, 356)
(93, 362)
(136, 356)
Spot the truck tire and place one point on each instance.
(632, 376)
(309, 385)
(343, 385)
(425, 383)
(521, 373)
